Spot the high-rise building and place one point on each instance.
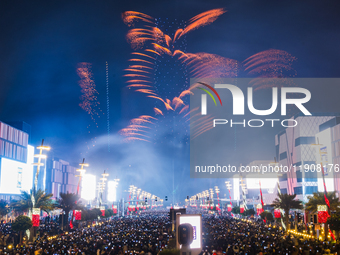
(328, 150)
(16, 161)
(60, 177)
(296, 148)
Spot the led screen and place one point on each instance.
(15, 175)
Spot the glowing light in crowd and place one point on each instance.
(196, 222)
(88, 191)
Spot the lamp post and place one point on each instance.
(81, 171)
(39, 164)
(102, 187)
(228, 185)
(115, 184)
(35, 212)
(244, 189)
(212, 198)
(138, 196)
(99, 190)
(217, 190)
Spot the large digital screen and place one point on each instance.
(17, 176)
(88, 187)
(111, 191)
(195, 221)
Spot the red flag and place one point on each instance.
(35, 220)
(332, 235)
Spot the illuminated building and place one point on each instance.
(60, 177)
(112, 190)
(295, 146)
(329, 152)
(16, 159)
(89, 184)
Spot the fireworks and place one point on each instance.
(270, 64)
(88, 89)
(89, 102)
(144, 73)
(160, 68)
(130, 17)
(202, 19)
(137, 130)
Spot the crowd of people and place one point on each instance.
(151, 233)
(234, 236)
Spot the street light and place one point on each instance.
(244, 190)
(81, 171)
(103, 179)
(39, 164)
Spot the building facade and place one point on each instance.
(297, 147)
(16, 162)
(60, 177)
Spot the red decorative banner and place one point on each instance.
(103, 212)
(241, 209)
(218, 207)
(36, 220)
(229, 208)
(277, 213)
(332, 235)
(77, 215)
(322, 216)
(114, 209)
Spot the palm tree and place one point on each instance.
(318, 198)
(4, 208)
(25, 204)
(287, 202)
(21, 224)
(68, 202)
(42, 201)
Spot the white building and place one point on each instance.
(295, 146)
(16, 162)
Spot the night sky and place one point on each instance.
(43, 41)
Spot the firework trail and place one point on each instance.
(160, 58)
(271, 68)
(88, 89)
(149, 71)
(89, 102)
(267, 66)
